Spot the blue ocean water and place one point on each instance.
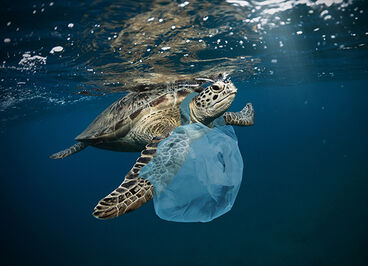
(303, 64)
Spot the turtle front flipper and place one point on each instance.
(133, 192)
(69, 151)
(243, 118)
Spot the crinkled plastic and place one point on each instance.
(196, 172)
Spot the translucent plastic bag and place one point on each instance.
(196, 173)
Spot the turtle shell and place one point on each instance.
(117, 119)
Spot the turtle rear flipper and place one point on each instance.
(69, 151)
(133, 192)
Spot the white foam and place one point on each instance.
(324, 12)
(184, 4)
(29, 62)
(274, 6)
(262, 10)
(56, 49)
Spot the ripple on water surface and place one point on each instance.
(54, 54)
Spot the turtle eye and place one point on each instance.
(215, 87)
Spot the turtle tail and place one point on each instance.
(69, 151)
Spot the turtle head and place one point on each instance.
(212, 102)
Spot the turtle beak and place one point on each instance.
(231, 89)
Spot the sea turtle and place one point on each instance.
(141, 120)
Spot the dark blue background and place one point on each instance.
(303, 200)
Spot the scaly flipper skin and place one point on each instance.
(69, 151)
(243, 118)
(133, 192)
